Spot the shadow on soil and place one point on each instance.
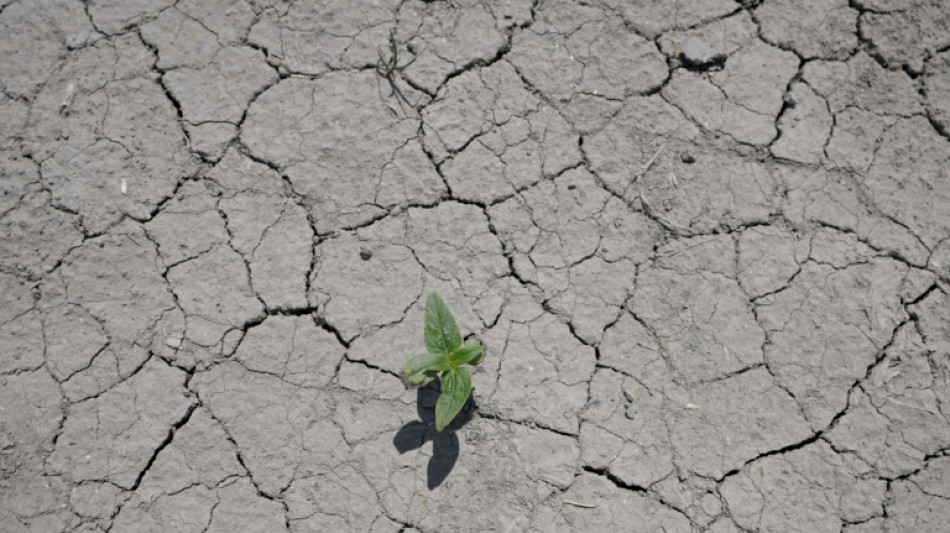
(445, 445)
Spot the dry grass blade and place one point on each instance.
(636, 177)
(579, 504)
(668, 223)
(649, 164)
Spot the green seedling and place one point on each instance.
(446, 358)
(390, 67)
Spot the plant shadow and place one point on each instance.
(445, 445)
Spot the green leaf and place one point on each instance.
(481, 354)
(423, 378)
(470, 354)
(422, 369)
(441, 334)
(456, 386)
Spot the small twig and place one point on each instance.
(579, 504)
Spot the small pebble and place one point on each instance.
(687, 158)
(365, 254)
(699, 54)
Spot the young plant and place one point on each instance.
(445, 358)
(389, 67)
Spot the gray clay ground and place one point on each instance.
(706, 243)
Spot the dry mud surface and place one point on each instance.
(705, 242)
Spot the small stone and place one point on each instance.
(365, 254)
(697, 53)
(687, 158)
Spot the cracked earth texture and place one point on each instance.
(714, 291)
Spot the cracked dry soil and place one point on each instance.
(715, 297)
